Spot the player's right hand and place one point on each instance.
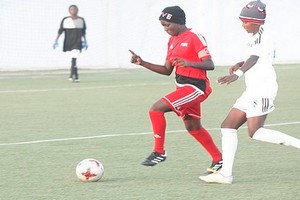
(135, 59)
(227, 79)
(55, 45)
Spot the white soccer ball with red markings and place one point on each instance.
(89, 170)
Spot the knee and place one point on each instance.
(251, 131)
(160, 105)
(190, 128)
(192, 124)
(226, 125)
(153, 108)
(223, 125)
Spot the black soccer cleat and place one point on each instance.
(215, 167)
(154, 158)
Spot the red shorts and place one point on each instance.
(186, 100)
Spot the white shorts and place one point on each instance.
(254, 107)
(72, 54)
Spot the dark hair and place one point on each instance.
(73, 6)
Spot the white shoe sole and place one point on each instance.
(216, 178)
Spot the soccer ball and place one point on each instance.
(89, 170)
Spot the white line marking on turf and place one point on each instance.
(119, 135)
(80, 88)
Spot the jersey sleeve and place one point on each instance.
(263, 48)
(169, 54)
(81, 25)
(200, 46)
(61, 27)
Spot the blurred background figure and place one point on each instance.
(74, 28)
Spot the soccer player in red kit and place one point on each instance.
(189, 56)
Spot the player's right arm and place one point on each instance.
(55, 44)
(165, 69)
(60, 31)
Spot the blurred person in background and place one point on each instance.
(74, 28)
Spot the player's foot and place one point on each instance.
(154, 158)
(77, 80)
(216, 178)
(215, 167)
(71, 79)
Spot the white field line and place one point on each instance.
(80, 88)
(119, 135)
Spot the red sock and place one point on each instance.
(204, 138)
(158, 121)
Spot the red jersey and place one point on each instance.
(191, 47)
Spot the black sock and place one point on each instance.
(73, 68)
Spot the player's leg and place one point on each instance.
(73, 64)
(75, 70)
(69, 59)
(158, 122)
(232, 122)
(229, 126)
(258, 132)
(257, 115)
(194, 127)
(188, 107)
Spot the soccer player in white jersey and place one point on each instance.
(74, 28)
(256, 102)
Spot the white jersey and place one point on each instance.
(261, 78)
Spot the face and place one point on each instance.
(171, 28)
(251, 27)
(73, 11)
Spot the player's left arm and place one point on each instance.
(84, 30)
(84, 42)
(206, 63)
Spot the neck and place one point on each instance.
(256, 29)
(183, 29)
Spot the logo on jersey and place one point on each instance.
(184, 44)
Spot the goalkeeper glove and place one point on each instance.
(55, 45)
(84, 45)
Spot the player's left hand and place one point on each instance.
(85, 45)
(180, 62)
(227, 79)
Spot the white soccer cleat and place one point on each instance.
(217, 178)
